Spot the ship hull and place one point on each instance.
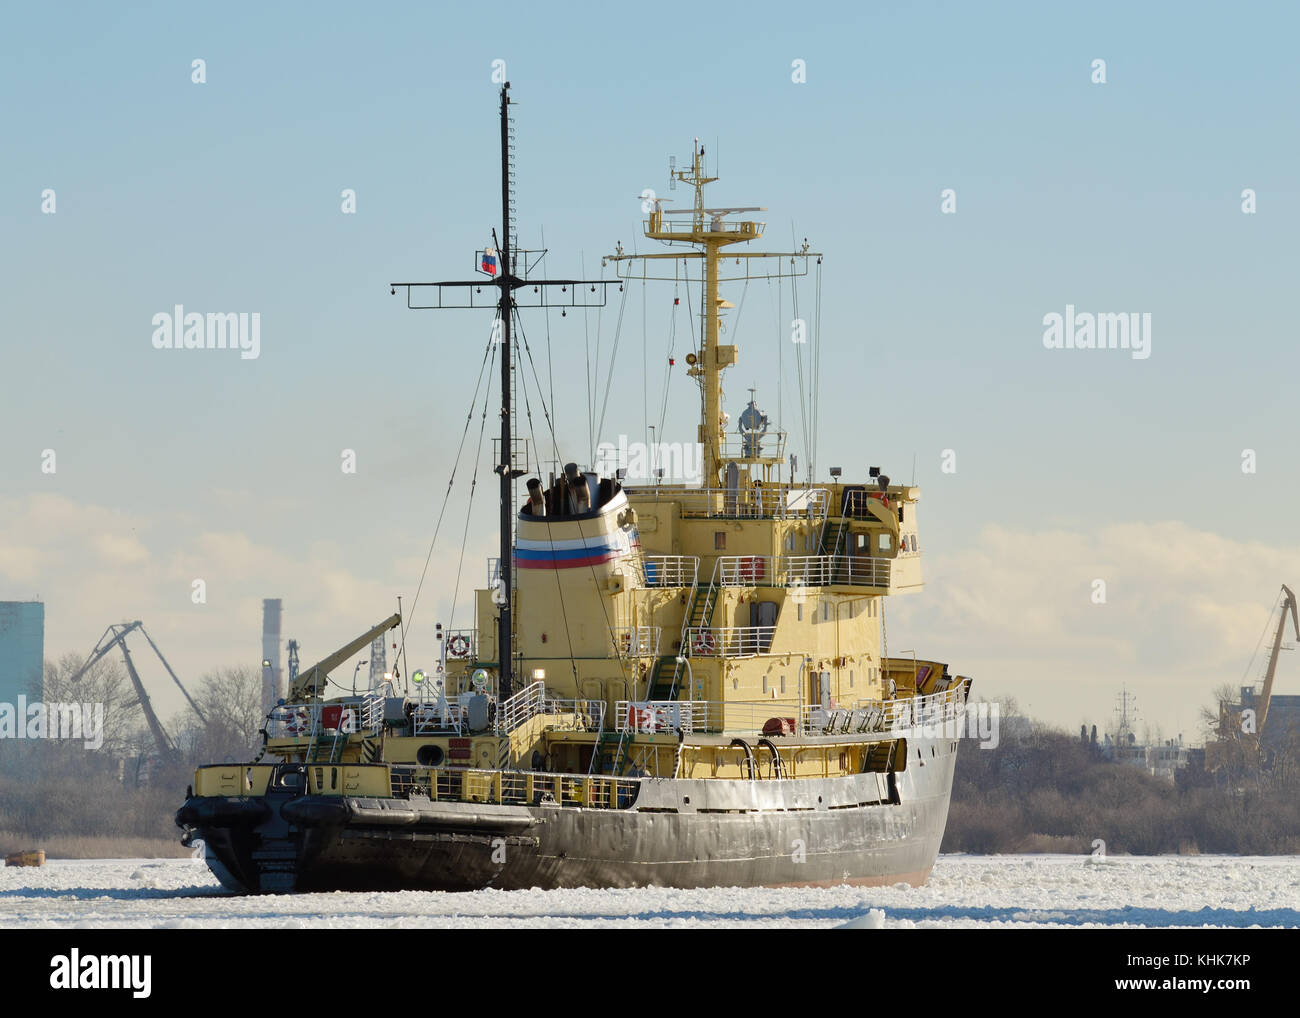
(865, 829)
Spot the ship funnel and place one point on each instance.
(536, 501)
(578, 488)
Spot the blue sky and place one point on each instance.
(1071, 465)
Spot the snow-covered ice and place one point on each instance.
(964, 891)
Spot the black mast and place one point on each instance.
(505, 635)
(573, 293)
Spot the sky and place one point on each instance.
(1065, 466)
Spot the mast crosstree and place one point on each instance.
(711, 231)
(514, 288)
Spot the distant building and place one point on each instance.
(1159, 760)
(22, 650)
(1281, 724)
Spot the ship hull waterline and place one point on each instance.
(807, 832)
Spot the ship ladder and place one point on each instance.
(699, 616)
(833, 541)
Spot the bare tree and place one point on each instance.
(231, 702)
(105, 683)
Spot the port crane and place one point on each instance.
(1236, 744)
(1288, 603)
(115, 636)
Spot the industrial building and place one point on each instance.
(22, 650)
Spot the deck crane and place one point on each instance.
(1288, 602)
(115, 636)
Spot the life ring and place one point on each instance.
(703, 643)
(458, 645)
(297, 722)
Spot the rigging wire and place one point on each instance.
(550, 371)
(817, 373)
(803, 393)
(528, 414)
(473, 487)
(523, 338)
(668, 372)
(609, 376)
(408, 619)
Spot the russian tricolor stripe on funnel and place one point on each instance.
(591, 551)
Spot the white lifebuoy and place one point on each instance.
(297, 722)
(703, 642)
(458, 645)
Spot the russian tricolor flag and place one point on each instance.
(490, 261)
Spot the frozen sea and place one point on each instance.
(963, 891)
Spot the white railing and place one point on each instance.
(636, 641)
(740, 446)
(435, 718)
(775, 501)
(803, 571)
(729, 641)
(884, 715)
(662, 715)
(360, 715)
(529, 702)
(521, 707)
(717, 716)
(671, 570)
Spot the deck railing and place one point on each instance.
(357, 715)
(636, 641)
(729, 641)
(803, 571)
(671, 570)
(884, 715)
(534, 699)
(515, 788)
(776, 501)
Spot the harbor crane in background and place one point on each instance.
(115, 636)
(1238, 742)
(1288, 602)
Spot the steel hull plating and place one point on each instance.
(680, 833)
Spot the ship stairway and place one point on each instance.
(661, 682)
(699, 614)
(609, 755)
(834, 542)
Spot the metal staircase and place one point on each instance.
(834, 544)
(699, 613)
